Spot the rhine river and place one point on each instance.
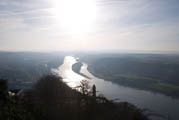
(158, 103)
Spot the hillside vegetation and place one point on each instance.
(154, 72)
(51, 99)
(23, 68)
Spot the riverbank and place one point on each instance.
(141, 83)
(157, 103)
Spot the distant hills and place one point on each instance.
(154, 72)
(23, 68)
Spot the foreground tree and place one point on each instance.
(3, 90)
(51, 99)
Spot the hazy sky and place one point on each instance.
(37, 25)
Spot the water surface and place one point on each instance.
(158, 103)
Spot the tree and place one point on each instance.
(94, 91)
(84, 87)
(3, 90)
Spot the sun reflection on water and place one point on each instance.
(66, 72)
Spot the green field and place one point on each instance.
(153, 72)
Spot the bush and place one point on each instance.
(51, 99)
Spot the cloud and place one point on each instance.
(120, 24)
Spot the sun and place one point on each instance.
(75, 15)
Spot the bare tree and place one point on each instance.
(84, 87)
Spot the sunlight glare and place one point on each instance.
(75, 15)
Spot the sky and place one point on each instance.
(92, 25)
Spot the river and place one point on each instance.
(158, 103)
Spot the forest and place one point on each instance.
(153, 72)
(51, 99)
(22, 69)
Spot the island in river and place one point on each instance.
(154, 72)
(158, 103)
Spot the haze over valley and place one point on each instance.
(89, 60)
